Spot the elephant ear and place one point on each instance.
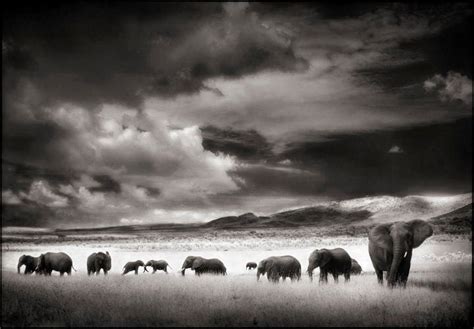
(197, 263)
(325, 258)
(269, 265)
(421, 231)
(380, 235)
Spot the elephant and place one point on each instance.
(133, 266)
(250, 265)
(334, 261)
(54, 261)
(279, 266)
(30, 263)
(202, 265)
(98, 261)
(355, 267)
(391, 246)
(157, 265)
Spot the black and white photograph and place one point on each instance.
(236, 164)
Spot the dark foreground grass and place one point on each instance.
(438, 298)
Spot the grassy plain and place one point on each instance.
(438, 292)
(441, 297)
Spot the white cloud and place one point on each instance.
(395, 149)
(285, 162)
(454, 86)
(41, 192)
(129, 221)
(87, 200)
(8, 197)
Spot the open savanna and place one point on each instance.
(439, 297)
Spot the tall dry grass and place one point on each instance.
(430, 299)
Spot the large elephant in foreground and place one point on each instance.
(30, 263)
(391, 245)
(334, 261)
(355, 267)
(54, 261)
(277, 267)
(202, 265)
(99, 261)
(161, 265)
(133, 266)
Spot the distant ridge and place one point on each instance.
(447, 213)
(458, 221)
(309, 216)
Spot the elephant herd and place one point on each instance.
(390, 249)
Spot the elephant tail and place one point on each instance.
(170, 266)
(73, 268)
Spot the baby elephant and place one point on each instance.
(250, 265)
(157, 265)
(98, 261)
(133, 266)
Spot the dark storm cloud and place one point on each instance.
(245, 144)
(95, 53)
(151, 191)
(439, 53)
(435, 158)
(107, 184)
(18, 177)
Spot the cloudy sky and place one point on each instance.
(139, 113)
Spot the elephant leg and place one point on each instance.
(154, 270)
(105, 272)
(136, 271)
(379, 276)
(336, 277)
(61, 273)
(69, 272)
(347, 277)
(323, 277)
(404, 269)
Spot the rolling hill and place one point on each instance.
(451, 214)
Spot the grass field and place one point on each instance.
(439, 297)
(438, 292)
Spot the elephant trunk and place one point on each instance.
(310, 272)
(398, 252)
(182, 271)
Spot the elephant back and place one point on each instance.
(90, 261)
(57, 261)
